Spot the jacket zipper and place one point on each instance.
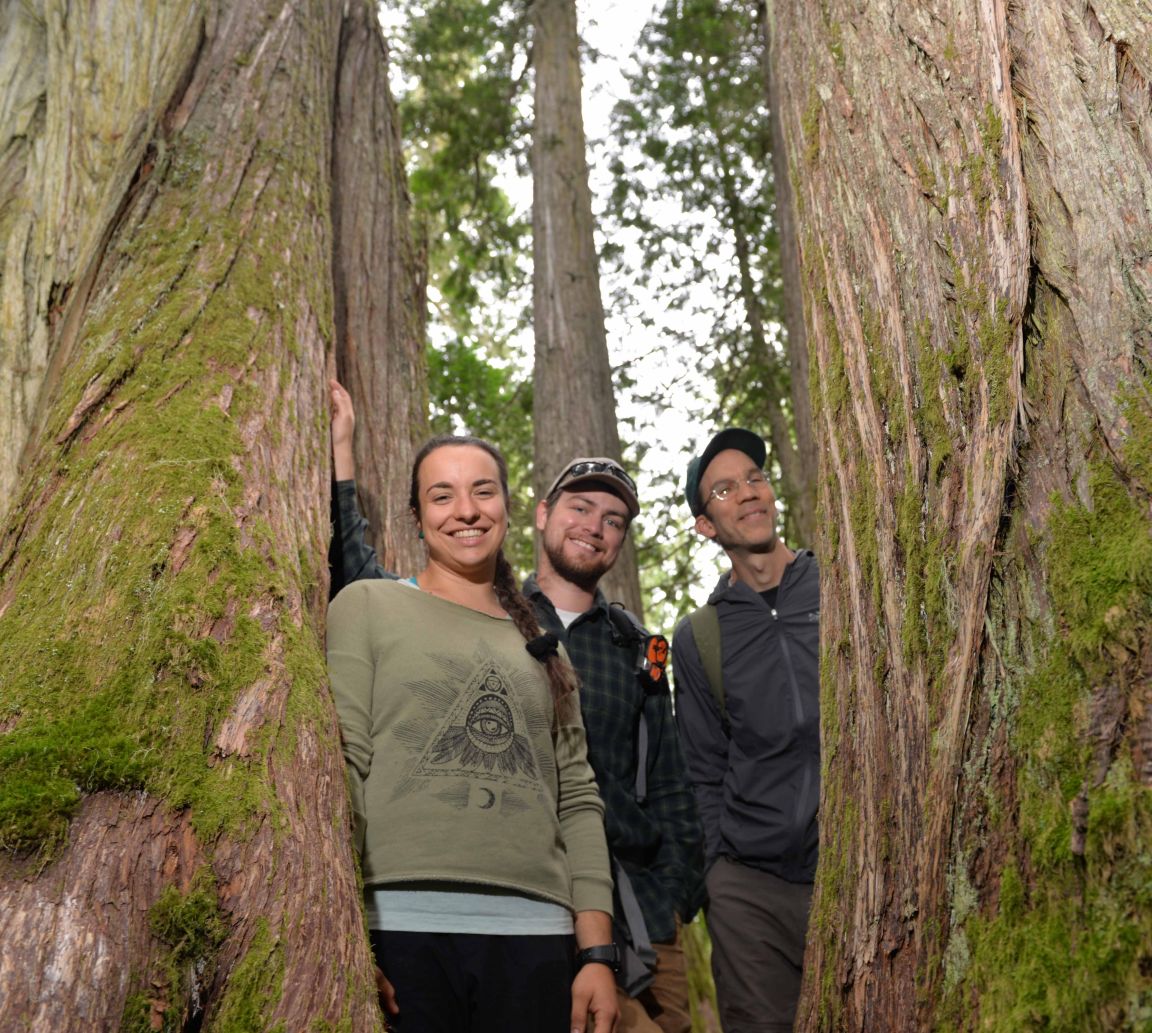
(801, 808)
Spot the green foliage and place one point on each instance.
(694, 140)
(696, 136)
(668, 552)
(472, 395)
(462, 65)
(462, 84)
(692, 191)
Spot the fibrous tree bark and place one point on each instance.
(783, 415)
(973, 188)
(172, 807)
(574, 407)
(801, 505)
(69, 140)
(380, 292)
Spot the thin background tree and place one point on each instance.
(574, 405)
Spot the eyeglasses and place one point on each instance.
(578, 470)
(722, 489)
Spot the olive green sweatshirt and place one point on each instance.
(458, 770)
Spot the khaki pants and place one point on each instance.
(758, 924)
(663, 1007)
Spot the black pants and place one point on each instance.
(467, 983)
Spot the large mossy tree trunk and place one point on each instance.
(70, 141)
(573, 402)
(172, 806)
(973, 187)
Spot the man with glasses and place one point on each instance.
(747, 705)
(650, 815)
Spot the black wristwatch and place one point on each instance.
(604, 954)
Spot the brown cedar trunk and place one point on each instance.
(574, 407)
(68, 144)
(972, 192)
(797, 483)
(172, 801)
(802, 500)
(379, 292)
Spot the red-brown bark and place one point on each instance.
(162, 584)
(802, 504)
(379, 291)
(970, 180)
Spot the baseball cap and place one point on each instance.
(598, 470)
(752, 445)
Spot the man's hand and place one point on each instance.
(384, 987)
(594, 1004)
(343, 424)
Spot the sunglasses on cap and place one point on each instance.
(599, 468)
(590, 467)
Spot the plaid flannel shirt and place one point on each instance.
(659, 842)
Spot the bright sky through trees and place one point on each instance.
(661, 385)
(611, 28)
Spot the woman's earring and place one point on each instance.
(420, 535)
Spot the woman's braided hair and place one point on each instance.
(561, 677)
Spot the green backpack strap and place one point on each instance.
(706, 630)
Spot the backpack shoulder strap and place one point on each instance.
(706, 630)
(626, 624)
(651, 651)
(650, 658)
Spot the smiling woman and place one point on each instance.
(477, 819)
(460, 502)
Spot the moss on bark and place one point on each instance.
(161, 596)
(1067, 946)
(112, 682)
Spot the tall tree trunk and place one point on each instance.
(972, 192)
(574, 407)
(172, 804)
(380, 291)
(797, 483)
(802, 503)
(69, 144)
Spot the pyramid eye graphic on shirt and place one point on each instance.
(482, 734)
